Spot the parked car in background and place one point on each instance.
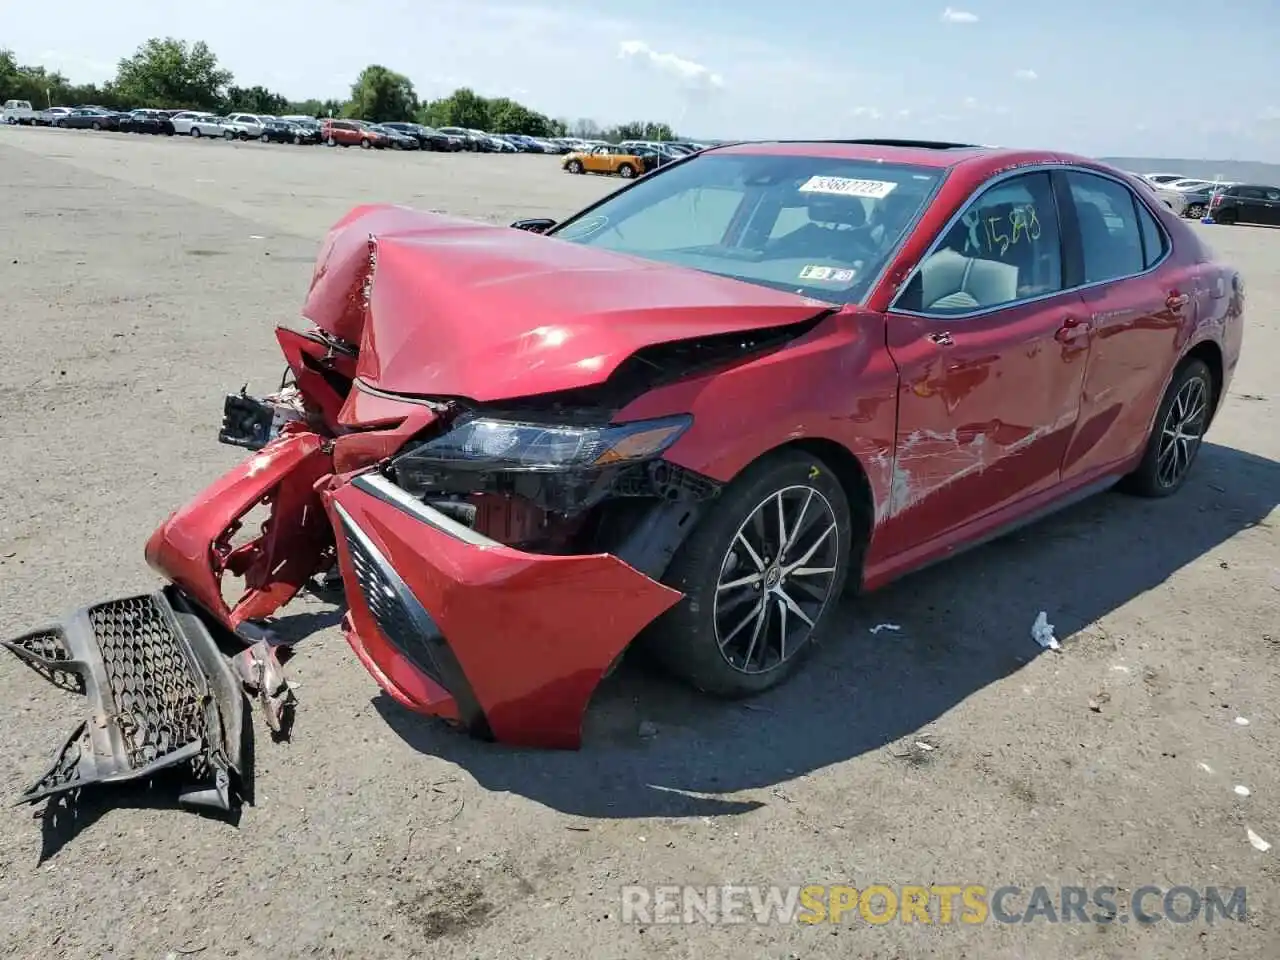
(474, 140)
(146, 121)
(427, 137)
(1193, 202)
(1161, 179)
(51, 116)
(90, 118)
(286, 131)
(608, 159)
(199, 123)
(248, 126)
(1247, 203)
(1173, 194)
(396, 139)
(19, 112)
(351, 133)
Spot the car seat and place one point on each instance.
(837, 230)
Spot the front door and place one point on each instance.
(991, 353)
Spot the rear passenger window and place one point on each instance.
(1110, 237)
(1153, 240)
(1004, 248)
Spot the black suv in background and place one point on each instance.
(428, 138)
(1247, 203)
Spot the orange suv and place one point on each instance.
(351, 133)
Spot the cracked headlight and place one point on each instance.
(487, 444)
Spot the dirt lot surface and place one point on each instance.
(142, 279)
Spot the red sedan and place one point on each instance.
(690, 415)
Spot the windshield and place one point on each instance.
(817, 226)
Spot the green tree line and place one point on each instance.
(167, 73)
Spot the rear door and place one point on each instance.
(991, 352)
(1271, 208)
(1250, 205)
(1136, 298)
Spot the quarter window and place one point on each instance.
(1004, 248)
(1154, 244)
(1110, 237)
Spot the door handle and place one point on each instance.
(942, 339)
(1072, 327)
(1176, 300)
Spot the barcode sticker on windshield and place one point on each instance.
(871, 189)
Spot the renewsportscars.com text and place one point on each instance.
(880, 904)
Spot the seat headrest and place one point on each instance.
(844, 211)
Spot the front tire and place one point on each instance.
(195, 132)
(761, 576)
(574, 166)
(1177, 435)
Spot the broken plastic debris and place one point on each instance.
(1257, 841)
(1042, 632)
(1242, 721)
(260, 671)
(1242, 791)
(251, 633)
(1206, 768)
(885, 626)
(924, 746)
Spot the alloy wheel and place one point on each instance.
(776, 579)
(1182, 432)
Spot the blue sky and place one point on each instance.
(1094, 76)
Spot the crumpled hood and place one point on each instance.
(449, 307)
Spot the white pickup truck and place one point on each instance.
(19, 111)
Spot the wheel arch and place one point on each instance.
(854, 481)
(1210, 354)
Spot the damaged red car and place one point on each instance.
(687, 416)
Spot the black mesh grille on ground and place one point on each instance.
(156, 702)
(392, 616)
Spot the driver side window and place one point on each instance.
(1005, 248)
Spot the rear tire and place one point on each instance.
(1176, 435)
(626, 171)
(229, 135)
(1195, 211)
(729, 636)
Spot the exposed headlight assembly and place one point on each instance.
(562, 467)
(482, 443)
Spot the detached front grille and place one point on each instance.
(156, 701)
(395, 611)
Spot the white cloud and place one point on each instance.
(1026, 74)
(952, 15)
(904, 113)
(693, 76)
(971, 103)
(1270, 115)
(867, 113)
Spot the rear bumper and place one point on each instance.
(510, 645)
(161, 696)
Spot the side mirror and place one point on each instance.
(535, 224)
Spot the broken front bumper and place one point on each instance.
(510, 645)
(161, 696)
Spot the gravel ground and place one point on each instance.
(143, 277)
